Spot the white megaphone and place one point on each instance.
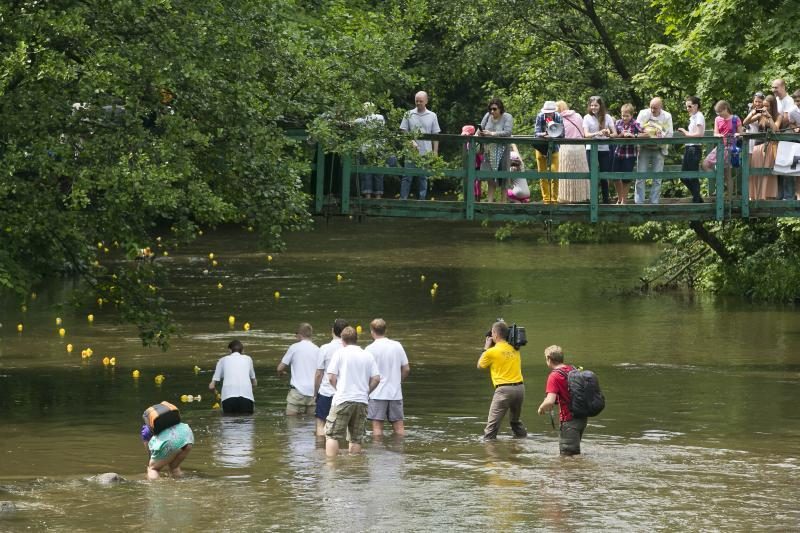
(555, 129)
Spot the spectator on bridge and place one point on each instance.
(373, 122)
(656, 123)
(469, 130)
(598, 124)
(419, 120)
(726, 125)
(785, 105)
(572, 157)
(519, 191)
(794, 116)
(625, 154)
(767, 119)
(496, 123)
(760, 187)
(692, 152)
(547, 115)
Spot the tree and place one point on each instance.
(123, 120)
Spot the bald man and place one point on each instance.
(786, 184)
(656, 123)
(420, 120)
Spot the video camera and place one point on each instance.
(516, 335)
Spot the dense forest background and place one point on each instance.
(123, 116)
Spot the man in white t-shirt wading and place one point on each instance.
(354, 374)
(301, 359)
(238, 378)
(323, 389)
(386, 401)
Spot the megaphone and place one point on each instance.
(555, 129)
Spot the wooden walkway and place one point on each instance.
(717, 206)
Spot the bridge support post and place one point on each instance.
(720, 181)
(594, 182)
(745, 188)
(346, 164)
(319, 191)
(469, 181)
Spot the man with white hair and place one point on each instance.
(419, 120)
(656, 123)
(786, 184)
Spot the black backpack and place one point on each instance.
(586, 398)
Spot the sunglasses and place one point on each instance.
(494, 109)
(759, 94)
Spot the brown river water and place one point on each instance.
(701, 431)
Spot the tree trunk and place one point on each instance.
(713, 242)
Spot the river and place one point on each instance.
(700, 432)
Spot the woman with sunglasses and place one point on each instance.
(496, 123)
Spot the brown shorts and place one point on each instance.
(347, 416)
(297, 403)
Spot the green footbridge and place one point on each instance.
(463, 205)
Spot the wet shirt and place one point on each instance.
(504, 363)
(324, 355)
(557, 384)
(235, 371)
(391, 358)
(301, 357)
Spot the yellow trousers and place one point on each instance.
(549, 187)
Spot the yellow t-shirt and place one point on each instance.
(504, 363)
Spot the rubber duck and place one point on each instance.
(20, 327)
(69, 348)
(246, 326)
(135, 374)
(277, 295)
(219, 285)
(106, 361)
(58, 321)
(62, 332)
(422, 277)
(269, 258)
(90, 318)
(231, 320)
(211, 256)
(196, 369)
(113, 361)
(159, 379)
(358, 329)
(338, 277)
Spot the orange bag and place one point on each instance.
(161, 416)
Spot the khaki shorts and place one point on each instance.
(297, 403)
(347, 416)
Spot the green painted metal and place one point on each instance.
(470, 209)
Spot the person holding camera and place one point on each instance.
(761, 119)
(505, 365)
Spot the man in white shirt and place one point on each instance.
(301, 358)
(386, 401)
(323, 389)
(238, 378)
(420, 120)
(785, 108)
(656, 123)
(354, 374)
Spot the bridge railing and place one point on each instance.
(465, 171)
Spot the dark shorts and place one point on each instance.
(323, 406)
(237, 405)
(569, 442)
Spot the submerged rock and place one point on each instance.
(7, 507)
(109, 478)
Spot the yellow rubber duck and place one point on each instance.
(135, 374)
(20, 327)
(231, 320)
(184, 398)
(219, 285)
(211, 256)
(269, 258)
(58, 321)
(246, 326)
(90, 318)
(277, 295)
(62, 332)
(159, 379)
(196, 369)
(215, 406)
(422, 277)
(69, 348)
(113, 361)
(106, 361)
(338, 277)
(358, 329)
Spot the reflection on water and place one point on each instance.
(234, 442)
(680, 446)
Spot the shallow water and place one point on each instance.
(700, 430)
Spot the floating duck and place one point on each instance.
(196, 369)
(159, 379)
(433, 292)
(435, 286)
(90, 318)
(200, 232)
(24, 308)
(20, 327)
(69, 348)
(338, 277)
(215, 406)
(58, 321)
(358, 329)
(211, 255)
(106, 361)
(113, 361)
(218, 396)
(100, 302)
(184, 398)
(33, 296)
(219, 285)
(269, 258)
(135, 374)
(277, 295)
(231, 320)
(62, 332)
(165, 254)
(246, 326)
(422, 277)
(214, 263)
(100, 245)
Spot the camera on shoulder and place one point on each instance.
(516, 336)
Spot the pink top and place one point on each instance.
(573, 124)
(725, 127)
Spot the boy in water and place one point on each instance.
(168, 448)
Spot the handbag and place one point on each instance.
(736, 147)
